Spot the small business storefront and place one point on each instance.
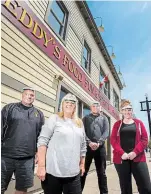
(33, 56)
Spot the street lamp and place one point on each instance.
(112, 55)
(146, 106)
(100, 28)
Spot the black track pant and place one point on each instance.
(100, 162)
(57, 185)
(140, 174)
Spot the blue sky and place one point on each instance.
(128, 29)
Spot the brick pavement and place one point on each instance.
(91, 186)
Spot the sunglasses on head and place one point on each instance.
(129, 109)
(71, 101)
(95, 105)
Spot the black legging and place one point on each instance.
(100, 163)
(57, 185)
(140, 173)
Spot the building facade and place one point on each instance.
(56, 48)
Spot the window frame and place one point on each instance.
(105, 90)
(66, 12)
(89, 53)
(115, 96)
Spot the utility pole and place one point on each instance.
(146, 106)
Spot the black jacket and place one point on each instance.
(21, 126)
(96, 128)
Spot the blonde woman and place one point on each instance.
(62, 150)
(129, 140)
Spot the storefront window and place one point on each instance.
(62, 94)
(82, 107)
(86, 110)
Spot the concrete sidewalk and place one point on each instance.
(91, 186)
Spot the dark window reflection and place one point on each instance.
(86, 110)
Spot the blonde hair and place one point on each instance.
(75, 118)
(125, 103)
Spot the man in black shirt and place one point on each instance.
(97, 130)
(21, 125)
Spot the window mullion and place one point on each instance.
(56, 17)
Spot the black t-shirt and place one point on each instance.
(127, 137)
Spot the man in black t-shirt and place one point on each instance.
(21, 125)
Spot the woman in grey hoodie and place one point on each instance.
(62, 150)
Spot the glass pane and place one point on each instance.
(144, 106)
(106, 89)
(79, 109)
(62, 94)
(58, 11)
(84, 63)
(106, 85)
(116, 100)
(53, 23)
(101, 77)
(85, 53)
(86, 110)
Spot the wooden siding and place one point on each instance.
(23, 61)
(76, 33)
(80, 28)
(76, 50)
(9, 95)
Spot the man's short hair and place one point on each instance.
(28, 88)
